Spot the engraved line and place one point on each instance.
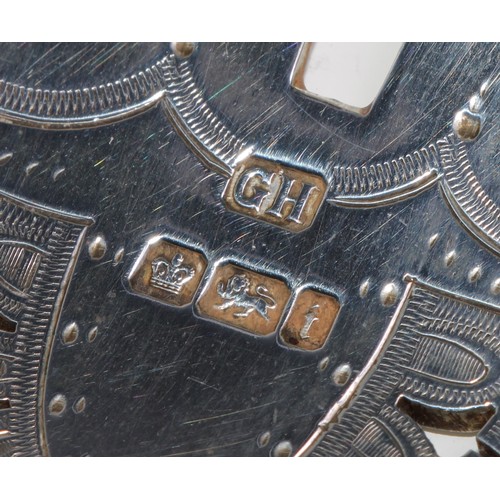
(409, 278)
(193, 119)
(8, 357)
(401, 193)
(460, 346)
(381, 177)
(463, 193)
(57, 308)
(467, 222)
(10, 380)
(335, 412)
(90, 121)
(12, 289)
(47, 212)
(57, 109)
(194, 144)
(389, 432)
(23, 244)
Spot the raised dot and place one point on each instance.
(474, 274)
(182, 49)
(97, 248)
(323, 364)
(70, 334)
(433, 239)
(118, 256)
(92, 335)
(263, 439)
(30, 167)
(57, 405)
(389, 294)
(79, 405)
(57, 173)
(495, 287)
(5, 158)
(283, 449)
(476, 102)
(467, 124)
(485, 87)
(450, 258)
(363, 289)
(342, 374)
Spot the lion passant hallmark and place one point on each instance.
(244, 299)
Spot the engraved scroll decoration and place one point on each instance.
(38, 249)
(441, 370)
(171, 83)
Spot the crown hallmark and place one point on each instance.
(171, 275)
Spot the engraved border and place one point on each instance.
(46, 343)
(87, 107)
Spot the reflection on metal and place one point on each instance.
(233, 331)
(38, 250)
(468, 201)
(195, 121)
(401, 193)
(310, 320)
(95, 106)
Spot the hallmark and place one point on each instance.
(310, 320)
(244, 299)
(277, 194)
(167, 272)
(237, 295)
(171, 275)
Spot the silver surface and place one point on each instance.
(106, 146)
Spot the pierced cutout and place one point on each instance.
(7, 325)
(349, 76)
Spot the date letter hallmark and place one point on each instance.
(275, 193)
(310, 320)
